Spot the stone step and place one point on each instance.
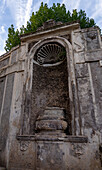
(2, 168)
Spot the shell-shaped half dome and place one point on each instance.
(50, 54)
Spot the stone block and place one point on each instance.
(4, 62)
(50, 155)
(13, 56)
(93, 56)
(24, 157)
(22, 52)
(86, 103)
(78, 41)
(2, 84)
(96, 72)
(81, 70)
(92, 40)
(6, 110)
(79, 57)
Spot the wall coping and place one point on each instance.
(52, 30)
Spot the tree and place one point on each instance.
(13, 38)
(57, 12)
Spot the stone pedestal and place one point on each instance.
(50, 127)
(52, 122)
(50, 155)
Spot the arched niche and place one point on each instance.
(38, 89)
(50, 80)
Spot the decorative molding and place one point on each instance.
(68, 138)
(24, 145)
(50, 54)
(78, 47)
(92, 35)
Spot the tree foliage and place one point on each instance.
(57, 12)
(13, 38)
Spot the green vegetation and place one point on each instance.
(13, 38)
(57, 12)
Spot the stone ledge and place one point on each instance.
(53, 30)
(75, 139)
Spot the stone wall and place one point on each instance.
(27, 88)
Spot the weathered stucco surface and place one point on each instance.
(51, 114)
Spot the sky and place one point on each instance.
(18, 12)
